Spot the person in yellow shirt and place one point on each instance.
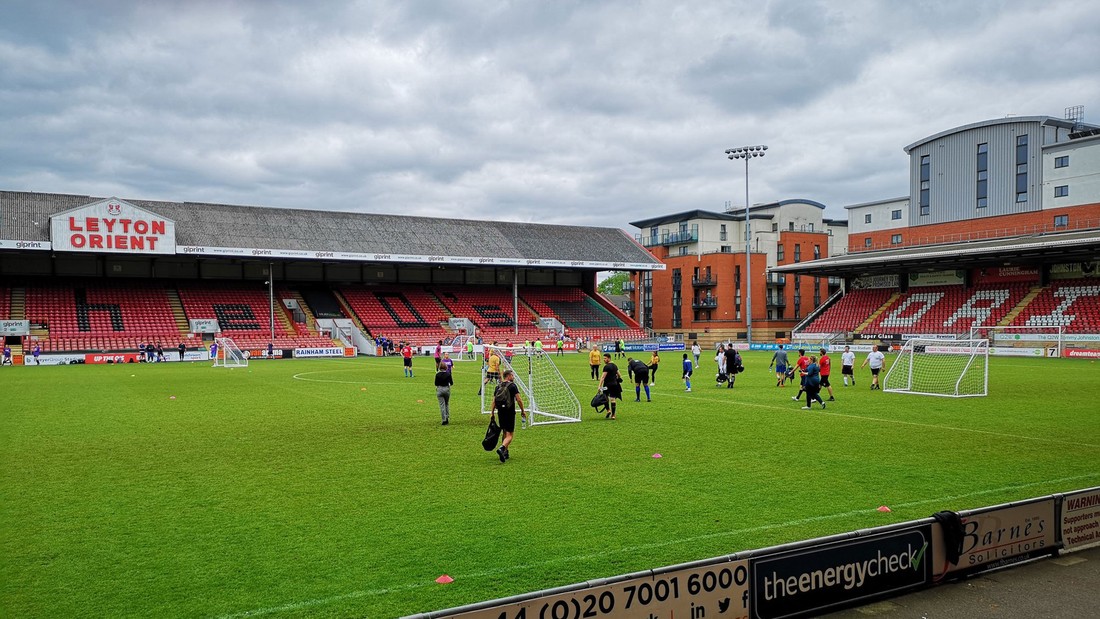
(594, 360)
(654, 361)
(492, 372)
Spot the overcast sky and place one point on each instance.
(596, 113)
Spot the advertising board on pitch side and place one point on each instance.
(717, 590)
(819, 577)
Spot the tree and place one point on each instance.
(613, 284)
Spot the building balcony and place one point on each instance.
(776, 301)
(704, 303)
(627, 306)
(777, 279)
(704, 282)
(628, 286)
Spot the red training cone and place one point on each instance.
(444, 579)
(884, 509)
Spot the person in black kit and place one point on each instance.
(639, 373)
(270, 350)
(733, 361)
(182, 349)
(612, 381)
(507, 412)
(443, 383)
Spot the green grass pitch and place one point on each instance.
(328, 488)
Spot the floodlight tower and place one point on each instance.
(746, 153)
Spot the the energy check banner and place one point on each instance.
(813, 579)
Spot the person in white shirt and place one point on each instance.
(695, 352)
(847, 365)
(877, 361)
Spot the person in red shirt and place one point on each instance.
(407, 359)
(801, 365)
(826, 365)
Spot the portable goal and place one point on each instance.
(1031, 341)
(546, 395)
(948, 368)
(229, 355)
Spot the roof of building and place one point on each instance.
(733, 214)
(877, 202)
(1051, 248)
(25, 217)
(1042, 120)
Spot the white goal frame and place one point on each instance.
(1050, 338)
(969, 357)
(229, 355)
(547, 396)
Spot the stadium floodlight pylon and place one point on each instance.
(947, 368)
(229, 355)
(546, 394)
(1049, 338)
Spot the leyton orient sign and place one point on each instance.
(113, 226)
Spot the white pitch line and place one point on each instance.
(833, 413)
(586, 557)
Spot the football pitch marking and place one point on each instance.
(833, 413)
(293, 606)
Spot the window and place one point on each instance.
(1061, 191)
(867, 242)
(779, 253)
(982, 198)
(1061, 221)
(867, 218)
(722, 232)
(798, 253)
(925, 184)
(726, 249)
(683, 250)
(817, 252)
(775, 226)
(895, 214)
(1021, 168)
(790, 226)
(895, 240)
(1061, 162)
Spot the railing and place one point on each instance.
(963, 237)
(704, 303)
(700, 282)
(776, 301)
(628, 286)
(777, 279)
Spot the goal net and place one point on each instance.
(229, 355)
(458, 348)
(545, 393)
(1024, 341)
(949, 368)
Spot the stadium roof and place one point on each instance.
(1042, 120)
(250, 231)
(1051, 248)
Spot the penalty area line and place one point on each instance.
(631, 549)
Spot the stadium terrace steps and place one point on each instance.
(852, 311)
(1014, 312)
(948, 309)
(15, 302)
(177, 310)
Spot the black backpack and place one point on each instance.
(502, 397)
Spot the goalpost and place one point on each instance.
(1029, 341)
(545, 392)
(949, 368)
(229, 355)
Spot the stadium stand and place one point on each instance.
(102, 317)
(490, 308)
(1072, 304)
(948, 309)
(406, 313)
(850, 311)
(244, 315)
(5, 304)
